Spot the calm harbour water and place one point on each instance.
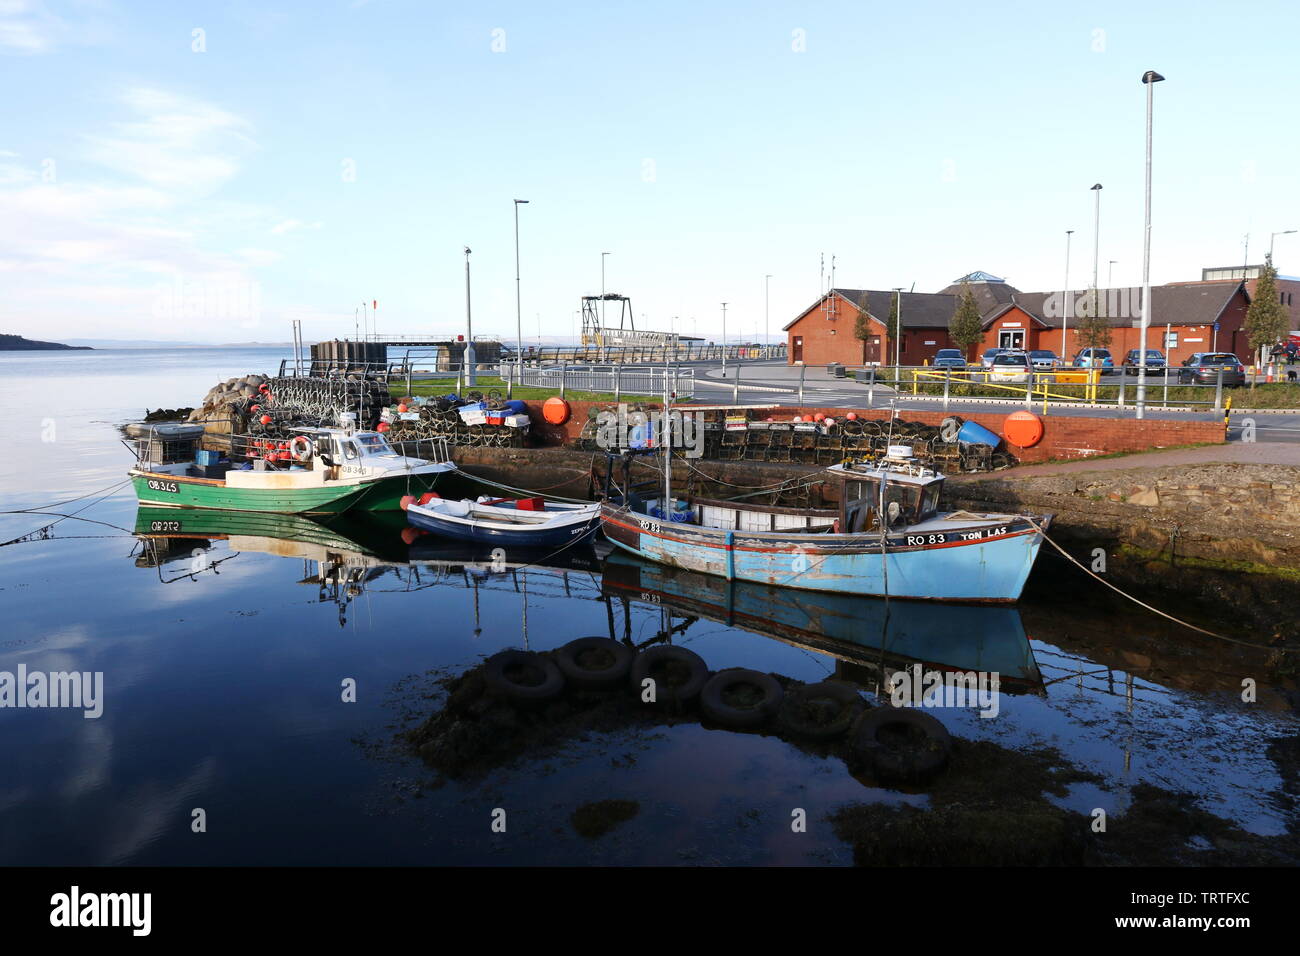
(222, 687)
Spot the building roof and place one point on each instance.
(1177, 303)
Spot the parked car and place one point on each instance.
(1010, 367)
(1095, 358)
(1155, 360)
(1044, 360)
(1202, 368)
(989, 354)
(949, 358)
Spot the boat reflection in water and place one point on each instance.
(871, 638)
(344, 555)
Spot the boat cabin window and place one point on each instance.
(349, 449)
(862, 503)
(861, 498)
(929, 500)
(374, 445)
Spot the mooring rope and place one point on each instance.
(1154, 610)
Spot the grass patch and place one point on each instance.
(491, 383)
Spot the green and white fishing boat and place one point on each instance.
(313, 471)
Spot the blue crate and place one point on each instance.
(207, 457)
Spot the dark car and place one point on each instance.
(1203, 368)
(949, 358)
(1044, 360)
(1155, 360)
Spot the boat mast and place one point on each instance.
(667, 445)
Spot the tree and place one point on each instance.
(862, 325)
(966, 327)
(1094, 330)
(1266, 319)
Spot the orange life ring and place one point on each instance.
(556, 411)
(1023, 429)
(301, 448)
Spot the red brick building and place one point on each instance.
(1183, 319)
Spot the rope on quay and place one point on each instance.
(1155, 610)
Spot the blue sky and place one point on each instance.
(314, 155)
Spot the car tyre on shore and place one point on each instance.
(902, 744)
(594, 663)
(524, 677)
(821, 711)
(740, 697)
(679, 674)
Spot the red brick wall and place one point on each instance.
(1064, 436)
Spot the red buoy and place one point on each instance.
(405, 501)
(428, 496)
(265, 419)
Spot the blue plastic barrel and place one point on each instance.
(973, 434)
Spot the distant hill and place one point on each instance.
(16, 343)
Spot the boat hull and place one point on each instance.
(990, 567)
(479, 533)
(160, 490)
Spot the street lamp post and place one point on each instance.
(1096, 243)
(519, 316)
(1065, 298)
(470, 358)
(898, 332)
(724, 339)
(1284, 232)
(602, 290)
(767, 300)
(1150, 78)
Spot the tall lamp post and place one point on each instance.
(898, 332)
(1284, 232)
(519, 319)
(767, 302)
(602, 291)
(470, 358)
(1150, 78)
(1096, 243)
(724, 339)
(1065, 303)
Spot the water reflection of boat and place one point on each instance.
(858, 631)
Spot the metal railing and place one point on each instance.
(617, 380)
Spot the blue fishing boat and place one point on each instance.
(887, 538)
(501, 522)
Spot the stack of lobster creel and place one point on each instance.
(897, 744)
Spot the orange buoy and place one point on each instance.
(381, 427)
(428, 496)
(1023, 429)
(852, 416)
(403, 407)
(405, 500)
(265, 419)
(556, 410)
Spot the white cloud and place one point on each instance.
(28, 28)
(289, 225)
(174, 142)
(88, 256)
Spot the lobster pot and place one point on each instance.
(166, 451)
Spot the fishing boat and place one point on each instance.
(887, 538)
(312, 471)
(504, 522)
